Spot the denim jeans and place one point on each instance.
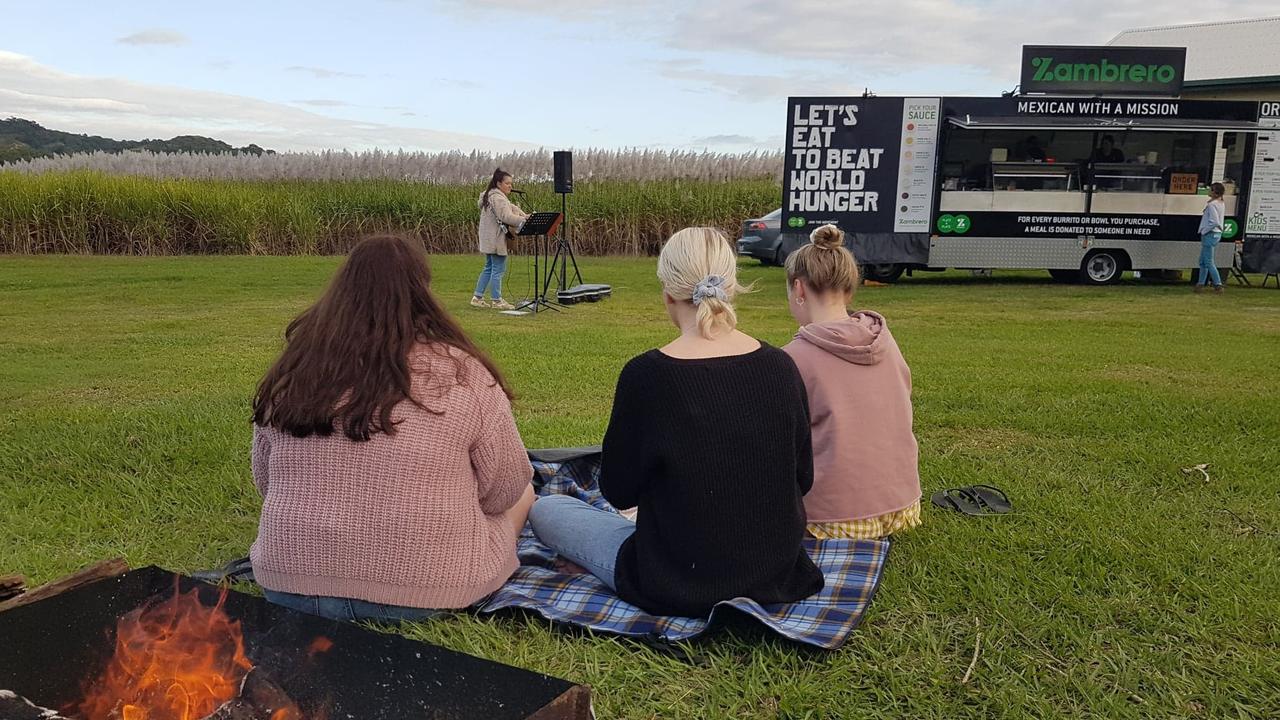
(495, 266)
(347, 609)
(1209, 270)
(579, 532)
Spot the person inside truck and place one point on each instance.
(1032, 149)
(1107, 152)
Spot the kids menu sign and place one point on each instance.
(865, 164)
(1264, 192)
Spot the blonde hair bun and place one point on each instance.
(827, 237)
(824, 263)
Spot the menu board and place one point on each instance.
(919, 145)
(1264, 188)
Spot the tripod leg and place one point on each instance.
(578, 273)
(551, 272)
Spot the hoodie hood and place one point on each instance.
(858, 339)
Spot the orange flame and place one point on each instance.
(176, 660)
(319, 645)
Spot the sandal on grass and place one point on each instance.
(992, 498)
(958, 499)
(240, 570)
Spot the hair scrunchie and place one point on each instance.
(711, 286)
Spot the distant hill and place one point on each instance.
(23, 139)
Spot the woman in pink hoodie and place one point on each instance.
(866, 482)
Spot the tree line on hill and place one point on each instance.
(22, 139)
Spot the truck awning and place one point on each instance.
(967, 122)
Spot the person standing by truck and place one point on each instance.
(1211, 226)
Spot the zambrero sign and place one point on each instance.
(1103, 70)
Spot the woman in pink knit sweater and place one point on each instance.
(865, 478)
(393, 478)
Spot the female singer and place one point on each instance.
(497, 216)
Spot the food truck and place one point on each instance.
(1095, 167)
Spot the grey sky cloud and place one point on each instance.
(322, 73)
(728, 140)
(909, 34)
(878, 38)
(322, 102)
(761, 88)
(125, 109)
(459, 82)
(154, 36)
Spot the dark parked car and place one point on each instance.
(762, 238)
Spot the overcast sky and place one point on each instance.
(496, 75)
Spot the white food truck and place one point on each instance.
(1085, 186)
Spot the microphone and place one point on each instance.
(518, 192)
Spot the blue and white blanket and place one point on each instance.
(852, 570)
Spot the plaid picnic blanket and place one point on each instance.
(852, 569)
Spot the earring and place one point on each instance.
(799, 301)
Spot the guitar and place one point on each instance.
(508, 230)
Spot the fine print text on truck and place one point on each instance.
(1088, 225)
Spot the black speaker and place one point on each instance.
(563, 162)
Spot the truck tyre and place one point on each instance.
(1103, 267)
(884, 272)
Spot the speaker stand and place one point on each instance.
(563, 254)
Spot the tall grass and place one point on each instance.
(453, 168)
(92, 212)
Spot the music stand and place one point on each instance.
(540, 226)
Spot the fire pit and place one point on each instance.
(152, 645)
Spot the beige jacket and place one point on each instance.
(493, 237)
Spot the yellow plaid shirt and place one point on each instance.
(869, 528)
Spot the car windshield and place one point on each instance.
(773, 215)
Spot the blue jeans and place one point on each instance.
(347, 609)
(1208, 269)
(588, 536)
(495, 266)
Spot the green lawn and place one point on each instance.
(1120, 588)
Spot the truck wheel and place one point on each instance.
(884, 272)
(1103, 267)
(1065, 276)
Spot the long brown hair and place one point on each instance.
(347, 357)
(498, 176)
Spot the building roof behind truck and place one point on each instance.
(1219, 54)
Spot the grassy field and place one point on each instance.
(1121, 588)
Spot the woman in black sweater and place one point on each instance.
(709, 439)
